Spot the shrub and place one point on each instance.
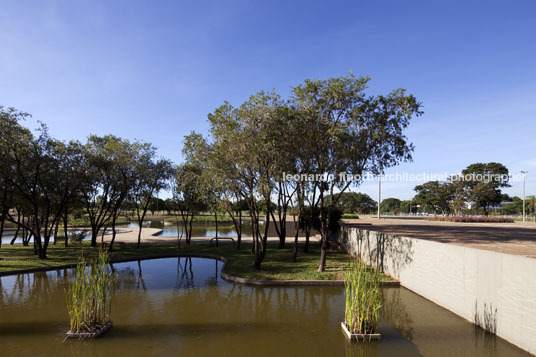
(363, 299)
(89, 296)
(470, 219)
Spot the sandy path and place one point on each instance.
(150, 235)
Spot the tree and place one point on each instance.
(531, 205)
(243, 141)
(12, 135)
(235, 209)
(408, 206)
(354, 202)
(390, 205)
(187, 196)
(42, 174)
(284, 128)
(348, 132)
(70, 157)
(436, 195)
(459, 196)
(108, 166)
(150, 177)
(158, 204)
(485, 183)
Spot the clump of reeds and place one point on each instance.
(89, 296)
(363, 299)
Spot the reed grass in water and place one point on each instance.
(89, 296)
(363, 299)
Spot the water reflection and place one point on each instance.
(170, 229)
(182, 306)
(208, 229)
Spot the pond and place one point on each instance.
(208, 229)
(170, 229)
(180, 306)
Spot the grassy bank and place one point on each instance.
(276, 266)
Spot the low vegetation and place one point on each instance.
(363, 299)
(470, 219)
(88, 297)
(278, 264)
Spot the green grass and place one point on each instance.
(277, 264)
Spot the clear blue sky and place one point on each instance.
(153, 70)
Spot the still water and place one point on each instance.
(199, 229)
(180, 306)
(202, 229)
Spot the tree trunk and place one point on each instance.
(140, 222)
(38, 247)
(15, 236)
(239, 231)
(190, 231)
(25, 239)
(295, 248)
(323, 254)
(94, 234)
(56, 227)
(259, 255)
(282, 233)
(36, 237)
(296, 237)
(324, 236)
(113, 232)
(65, 229)
(18, 229)
(254, 235)
(216, 219)
(139, 237)
(2, 221)
(307, 235)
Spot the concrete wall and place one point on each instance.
(494, 290)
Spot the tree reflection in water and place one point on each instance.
(395, 312)
(174, 306)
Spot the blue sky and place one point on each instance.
(153, 70)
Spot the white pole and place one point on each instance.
(523, 172)
(379, 193)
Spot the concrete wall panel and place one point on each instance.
(495, 290)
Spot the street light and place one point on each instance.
(524, 172)
(379, 193)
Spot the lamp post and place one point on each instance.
(379, 193)
(523, 172)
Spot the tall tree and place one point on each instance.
(149, 178)
(485, 183)
(391, 205)
(187, 195)
(12, 136)
(354, 202)
(436, 195)
(43, 170)
(244, 143)
(351, 133)
(108, 164)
